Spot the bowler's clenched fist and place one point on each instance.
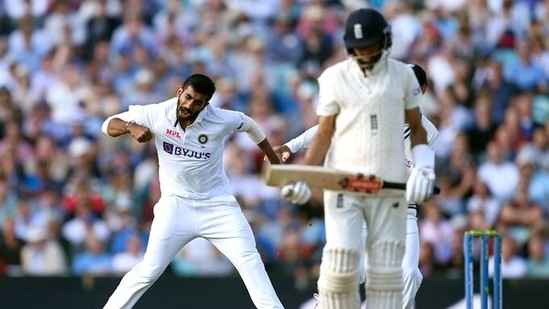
(141, 133)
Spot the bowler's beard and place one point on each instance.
(183, 114)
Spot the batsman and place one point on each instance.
(364, 103)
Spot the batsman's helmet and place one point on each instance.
(365, 27)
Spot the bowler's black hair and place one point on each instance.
(201, 84)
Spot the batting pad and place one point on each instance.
(338, 281)
(384, 272)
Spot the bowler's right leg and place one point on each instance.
(161, 249)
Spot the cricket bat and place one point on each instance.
(279, 175)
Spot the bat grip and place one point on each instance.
(288, 193)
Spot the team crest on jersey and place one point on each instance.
(417, 91)
(202, 139)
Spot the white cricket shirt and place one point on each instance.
(370, 116)
(190, 161)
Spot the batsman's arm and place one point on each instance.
(321, 142)
(303, 140)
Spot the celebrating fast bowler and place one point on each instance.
(195, 200)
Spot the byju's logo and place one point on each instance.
(168, 148)
(180, 151)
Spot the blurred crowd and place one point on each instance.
(74, 201)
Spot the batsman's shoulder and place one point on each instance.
(335, 71)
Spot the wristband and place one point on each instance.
(423, 156)
(128, 125)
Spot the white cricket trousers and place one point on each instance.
(176, 222)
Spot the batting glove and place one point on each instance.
(297, 193)
(420, 185)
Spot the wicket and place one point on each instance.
(468, 246)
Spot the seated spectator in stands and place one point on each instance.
(537, 179)
(122, 262)
(84, 225)
(537, 262)
(540, 145)
(456, 176)
(81, 190)
(427, 264)
(512, 264)
(8, 201)
(94, 260)
(523, 73)
(482, 201)
(500, 175)
(10, 249)
(437, 230)
(42, 256)
(484, 127)
(201, 258)
(461, 225)
(520, 214)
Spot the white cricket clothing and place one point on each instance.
(195, 200)
(370, 116)
(305, 139)
(190, 160)
(368, 138)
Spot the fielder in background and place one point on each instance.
(364, 103)
(195, 201)
(411, 274)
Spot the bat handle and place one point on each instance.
(287, 193)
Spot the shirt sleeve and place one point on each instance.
(412, 94)
(432, 132)
(123, 116)
(251, 128)
(327, 95)
(303, 140)
(141, 114)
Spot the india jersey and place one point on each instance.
(370, 116)
(190, 161)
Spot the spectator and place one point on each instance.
(523, 73)
(8, 202)
(520, 214)
(483, 128)
(501, 176)
(512, 264)
(93, 260)
(537, 262)
(484, 203)
(123, 261)
(435, 229)
(42, 256)
(201, 258)
(537, 179)
(84, 225)
(10, 249)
